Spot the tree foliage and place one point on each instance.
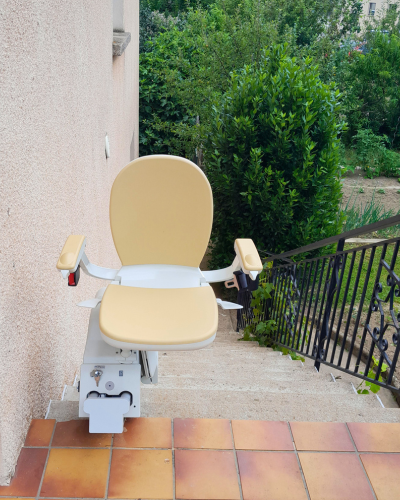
(173, 7)
(184, 70)
(272, 157)
(166, 122)
(202, 47)
(152, 23)
(371, 87)
(316, 20)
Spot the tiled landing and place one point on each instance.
(207, 459)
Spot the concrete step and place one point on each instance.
(275, 383)
(262, 379)
(70, 393)
(302, 383)
(255, 386)
(266, 406)
(231, 367)
(180, 403)
(385, 395)
(223, 347)
(235, 337)
(234, 344)
(254, 375)
(257, 375)
(224, 356)
(63, 411)
(245, 364)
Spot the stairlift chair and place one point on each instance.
(161, 212)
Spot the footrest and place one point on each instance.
(106, 414)
(228, 305)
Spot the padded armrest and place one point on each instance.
(72, 253)
(248, 256)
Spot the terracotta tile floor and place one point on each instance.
(207, 459)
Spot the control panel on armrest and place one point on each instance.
(71, 253)
(248, 255)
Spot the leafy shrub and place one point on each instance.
(272, 157)
(217, 41)
(373, 155)
(366, 387)
(260, 329)
(345, 159)
(166, 123)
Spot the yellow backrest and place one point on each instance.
(161, 212)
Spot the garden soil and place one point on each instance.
(352, 184)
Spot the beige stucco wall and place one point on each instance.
(61, 91)
(380, 6)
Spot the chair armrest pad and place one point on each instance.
(71, 253)
(248, 255)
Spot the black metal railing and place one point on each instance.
(341, 309)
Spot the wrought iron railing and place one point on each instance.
(341, 309)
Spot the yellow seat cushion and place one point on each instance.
(158, 316)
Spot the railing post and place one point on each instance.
(320, 353)
(269, 303)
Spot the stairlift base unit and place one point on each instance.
(114, 381)
(106, 401)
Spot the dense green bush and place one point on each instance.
(172, 7)
(166, 123)
(272, 157)
(182, 71)
(215, 42)
(371, 87)
(373, 155)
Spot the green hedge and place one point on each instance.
(272, 157)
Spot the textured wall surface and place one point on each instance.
(61, 91)
(379, 6)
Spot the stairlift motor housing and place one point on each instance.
(159, 299)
